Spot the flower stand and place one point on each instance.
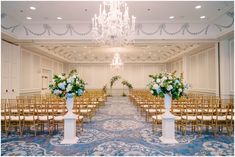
(70, 123)
(168, 123)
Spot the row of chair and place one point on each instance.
(196, 111)
(47, 111)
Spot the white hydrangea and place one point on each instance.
(155, 86)
(69, 88)
(169, 87)
(158, 80)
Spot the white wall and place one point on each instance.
(202, 71)
(97, 75)
(33, 67)
(175, 66)
(227, 68)
(199, 71)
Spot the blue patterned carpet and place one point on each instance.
(118, 130)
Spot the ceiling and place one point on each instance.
(154, 52)
(141, 52)
(83, 11)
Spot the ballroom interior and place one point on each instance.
(117, 78)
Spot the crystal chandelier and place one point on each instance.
(116, 62)
(113, 25)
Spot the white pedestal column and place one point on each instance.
(70, 123)
(70, 129)
(168, 123)
(168, 128)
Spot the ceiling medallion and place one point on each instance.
(113, 26)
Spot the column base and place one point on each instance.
(70, 141)
(168, 140)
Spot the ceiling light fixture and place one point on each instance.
(29, 18)
(113, 26)
(32, 8)
(202, 17)
(198, 7)
(59, 18)
(171, 17)
(116, 62)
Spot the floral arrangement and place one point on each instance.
(168, 83)
(125, 83)
(113, 79)
(63, 84)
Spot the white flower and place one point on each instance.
(69, 88)
(180, 90)
(177, 81)
(155, 86)
(170, 77)
(158, 80)
(169, 87)
(70, 80)
(151, 91)
(161, 84)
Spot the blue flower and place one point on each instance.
(80, 92)
(159, 90)
(61, 85)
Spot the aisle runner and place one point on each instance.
(118, 129)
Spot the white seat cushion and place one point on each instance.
(3, 118)
(15, 118)
(29, 118)
(58, 118)
(159, 117)
(44, 118)
(151, 110)
(189, 117)
(80, 117)
(85, 110)
(91, 106)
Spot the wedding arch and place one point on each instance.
(115, 79)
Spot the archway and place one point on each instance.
(113, 80)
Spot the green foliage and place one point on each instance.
(125, 83)
(114, 79)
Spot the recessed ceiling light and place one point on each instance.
(198, 7)
(171, 17)
(149, 9)
(32, 8)
(202, 17)
(59, 18)
(29, 18)
(85, 9)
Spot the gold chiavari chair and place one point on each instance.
(5, 117)
(44, 116)
(76, 110)
(15, 112)
(58, 112)
(29, 115)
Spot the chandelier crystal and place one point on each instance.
(116, 62)
(113, 26)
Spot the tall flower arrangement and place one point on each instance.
(67, 84)
(168, 83)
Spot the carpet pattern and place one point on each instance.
(117, 130)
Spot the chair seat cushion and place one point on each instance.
(158, 117)
(85, 110)
(44, 118)
(59, 118)
(15, 118)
